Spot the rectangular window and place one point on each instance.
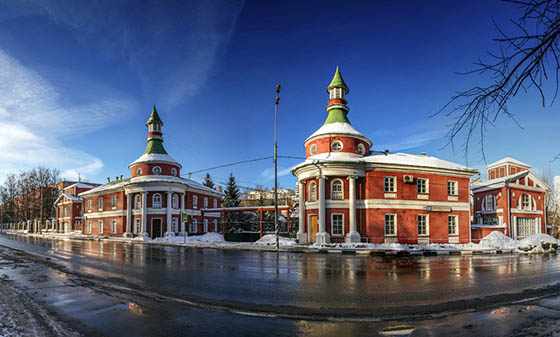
(194, 201)
(422, 186)
(205, 225)
(489, 202)
(337, 224)
(215, 203)
(215, 222)
(89, 229)
(452, 224)
(174, 223)
(100, 203)
(205, 202)
(452, 188)
(113, 201)
(138, 225)
(194, 226)
(422, 224)
(100, 227)
(90, 203)
(114, 227)
(390, 184)
(390, 222)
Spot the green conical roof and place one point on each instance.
(337, 115)
(155, 145)
(154, 117)
(338, 81)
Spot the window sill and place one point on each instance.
(423, 196)
(453, 198)
(390, 235)
(390, 195)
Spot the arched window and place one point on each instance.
(337, 190)
(312, 194)
(173, 171)
(156, 170)
(138, 171)
(313, 149)
(361, 149)
(175, 201)
(156, 200)
(138, 201)
(489, 203)
(336, 146)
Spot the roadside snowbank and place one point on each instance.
(208, 238)
(498, 240)
(270, 240)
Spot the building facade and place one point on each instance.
(69, 207)
(512, 201)
(347, 192)
(154, 201)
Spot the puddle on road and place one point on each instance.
(397, 330)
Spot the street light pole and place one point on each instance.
(276, 104)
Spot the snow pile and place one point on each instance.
(538, 243)
(208, 238)
(270, 240)
(497, 240)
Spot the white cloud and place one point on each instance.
(36, 117)
(409, 138)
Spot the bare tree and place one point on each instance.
(525, 60)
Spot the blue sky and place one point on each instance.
(78, 79)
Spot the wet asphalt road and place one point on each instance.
(295, 279)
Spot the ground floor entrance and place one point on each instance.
(313, 227)
(156, 228)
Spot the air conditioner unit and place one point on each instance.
(408, 179)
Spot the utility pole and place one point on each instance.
(276, 104)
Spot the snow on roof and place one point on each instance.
(69, 197)
(81, 185)
(400, 159)
(508, 160)
(108, 186)
(498, 182)
(337, 128)
(158, 178)
(157, 157)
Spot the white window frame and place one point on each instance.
(455, 185)
(456, 220)
(394, 180)
(173, 171)
(529, 201)
(426, 224)
(90, 204)
(174, 224)
(215, 203)
(426, 186)
(195, 201)
(138, 225)
(341, 224)
(138, 201)
(205, 202)
(313, 149)
(100, 203)
(337, 195)
(156, 204)
(205, 224)
(139, 171)
(394, 215)
(490, 200)
(158, 169)
(215, 222)
(114, 226)
(333, 146)
(114, 201)
(312, 190)
(361, 149)
(89, 227)
(100, 225)
(194, 226)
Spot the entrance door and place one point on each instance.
(313, 227)
(156, 228)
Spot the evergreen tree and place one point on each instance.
(231, 198)
(208, 181)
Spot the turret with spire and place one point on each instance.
(343, 138)
(155, 160)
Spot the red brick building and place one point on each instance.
(69, 207)
(512, 201)
(155, 201)
(349, 193)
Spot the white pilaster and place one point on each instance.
(301, 235)
(322, 235)
(128, 230)
(144, 215)
(353, 235)
(168, 215)
(182, 226)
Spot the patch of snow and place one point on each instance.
(270, 240)
(155, 157)
(337, 128)
(498, 240)
(407, 159)
(207, 238)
